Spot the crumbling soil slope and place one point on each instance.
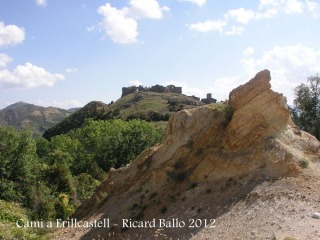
(242, 163)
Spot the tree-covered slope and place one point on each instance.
(149, 106)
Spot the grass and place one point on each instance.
(150, 104)
(221, 107)
(9, 214)
(304, 163)
(149, 101)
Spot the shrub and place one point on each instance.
(163, 210)
(178, 173)
(86, 185)
(193, 185)
(62, 207)
(304, 163)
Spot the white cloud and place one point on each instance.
(72, 70)
(135, 82)
(4, 60)
(42, 3)
(61, 104)
(186, 89)
(267, 9)
(28, 76)
(120, 28)
(248, 51)
(241, 15)
(235, 30)
(207, 26)
(91, 29)
(244, 16)
(10, 35)
(121, 24)
(287, 6)
(198, 2)
(289, 66)
(223, 86)
(216, 25)
(146, 9)
(314, 8)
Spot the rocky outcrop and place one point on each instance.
(213, 157)
(258, 113)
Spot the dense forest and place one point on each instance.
(49, 179)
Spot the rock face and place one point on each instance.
(214, 159)
(258, 113)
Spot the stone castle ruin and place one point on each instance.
(157, 88)
(209, 99)
(161, 89)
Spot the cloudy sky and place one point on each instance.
(68, 53)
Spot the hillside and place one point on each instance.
(234, 170)
(38, 119)
(150, 106)
(95, 110)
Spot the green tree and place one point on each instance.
(86, 185)
(115, 143)
(306, 110)
(17, 164)
(42, 204)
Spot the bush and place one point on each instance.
(62, 207)
(9, 214)
(163, 210)
(304, 163)
(178, 173)
(86, 185)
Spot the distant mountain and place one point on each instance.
(72, 110)
(149, 106)
(95, 110)
(36, 118)
(16, 105)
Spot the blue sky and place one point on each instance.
(66, 53)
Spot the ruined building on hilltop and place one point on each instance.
(157, 88)
(161, 89)
(209, 99)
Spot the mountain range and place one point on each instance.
(23, 115)
(50, 121)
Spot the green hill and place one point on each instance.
(38, 119)
(149, 106)
(95, 110)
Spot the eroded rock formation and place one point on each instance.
(258, 113)
(212, 158)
